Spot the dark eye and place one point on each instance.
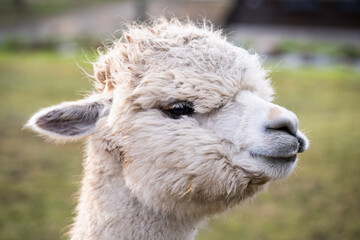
(176, 110)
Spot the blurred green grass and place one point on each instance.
(13, 11)
(321, 200)
(37, 179)
(326, 49)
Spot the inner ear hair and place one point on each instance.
(69, 120)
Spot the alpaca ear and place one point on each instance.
(69, 120)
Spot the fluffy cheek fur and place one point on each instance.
(177, 166)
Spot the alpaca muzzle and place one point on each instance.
(282, 138)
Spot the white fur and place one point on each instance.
(148, 176)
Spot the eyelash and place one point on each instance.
(176, 110)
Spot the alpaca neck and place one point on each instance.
(108, 210)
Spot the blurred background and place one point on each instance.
(312, 48)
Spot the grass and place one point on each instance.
(37, 179)
(351, 51)
(13, 11)
(320, 201)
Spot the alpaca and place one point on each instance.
(180, 127)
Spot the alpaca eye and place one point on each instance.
(176, 110)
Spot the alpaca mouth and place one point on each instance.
(283, 154)
(275, 159)
(275, 166)
(282, 150)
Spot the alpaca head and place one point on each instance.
(191, 115)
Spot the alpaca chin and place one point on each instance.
(274, 170)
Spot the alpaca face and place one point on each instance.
(192, 115)
(203, 145)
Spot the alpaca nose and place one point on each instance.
(282, 120)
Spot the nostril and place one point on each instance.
(301, 144)
(283, 125)
(284, 129)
